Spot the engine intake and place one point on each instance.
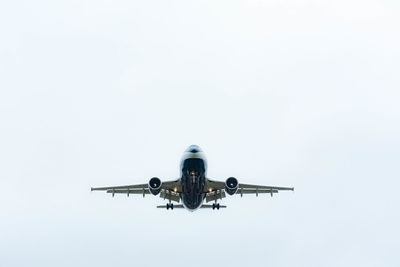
(155, 185)
(231, 185)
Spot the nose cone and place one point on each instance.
(194, 149)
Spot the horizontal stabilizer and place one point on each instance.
(205, 206)
(165, 206)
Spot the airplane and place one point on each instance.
(193, 186)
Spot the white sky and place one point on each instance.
(290, 93)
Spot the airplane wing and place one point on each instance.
(169, 190)
(216, 190)
(261, 189)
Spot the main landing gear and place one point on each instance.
(215, 206)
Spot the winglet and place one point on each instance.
(91, 189)
(292, 188)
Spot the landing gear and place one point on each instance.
(170, 206)
(215, 206)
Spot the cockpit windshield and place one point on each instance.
(194, 149)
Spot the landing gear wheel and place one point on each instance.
(170, 206)
(215, 206)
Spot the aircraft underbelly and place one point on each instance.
(193, 182)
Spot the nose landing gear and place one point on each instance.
(170, 206)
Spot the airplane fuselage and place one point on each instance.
(193, 178)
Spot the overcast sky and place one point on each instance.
(282, 92)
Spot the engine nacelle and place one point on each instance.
(231, 185)
(155, 185)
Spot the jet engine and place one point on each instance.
(231, 185)
(155, 186)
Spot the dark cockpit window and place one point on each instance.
(194, 149)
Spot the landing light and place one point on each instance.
(210, 190)
(175, 189)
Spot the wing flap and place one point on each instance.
(128, 191)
